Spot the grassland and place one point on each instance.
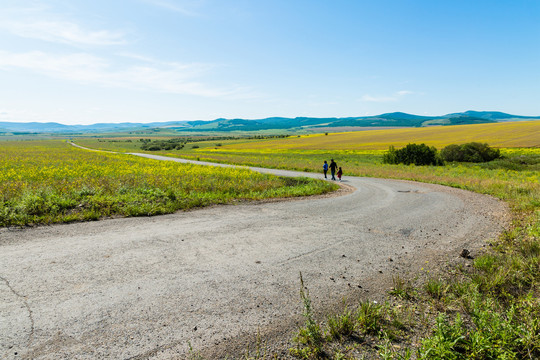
(46, 182)
(515, 178)
(524, 134)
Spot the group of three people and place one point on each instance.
(333, 166)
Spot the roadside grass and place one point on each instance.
(402, 289)
(45, 182)
(491, 311)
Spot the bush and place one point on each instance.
(171, 144)
(413, 154)
(470, 152)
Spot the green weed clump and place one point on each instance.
(370, 320)
(402, 289)
(341, 325)
(310, 335)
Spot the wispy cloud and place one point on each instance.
(395, 97)
(84, 68)
(62, 32)
(404, 92)
(172, 6)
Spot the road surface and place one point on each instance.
(148, 288)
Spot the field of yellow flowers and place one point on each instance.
(51, 181)
(500, 135)
(518, 174)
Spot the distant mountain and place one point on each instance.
(55, 128)
(403, 116)
(395, 119)
(34, 127)
(489, 115)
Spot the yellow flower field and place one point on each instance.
(51, 181)
(501, 135)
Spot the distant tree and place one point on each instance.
(413, 154)
(470, 152)
(170, 144)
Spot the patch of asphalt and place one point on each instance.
(147, 288)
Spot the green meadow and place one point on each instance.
(50, 181)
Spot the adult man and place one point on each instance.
(333, 167)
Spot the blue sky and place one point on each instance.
(85, 62)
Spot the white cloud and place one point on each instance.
(395, 97)
(172, 6)
(175, 78)
(74, 66)
(62, 32)
(404, 92)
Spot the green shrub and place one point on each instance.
(157, 145)
(470, 152)
(413, 154)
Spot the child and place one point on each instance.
(325, 168)
(339, 173)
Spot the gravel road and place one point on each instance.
(146, 288)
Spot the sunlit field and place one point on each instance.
(488, 311)
(500, 135)
(52, 181)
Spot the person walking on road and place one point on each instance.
(333, 167)
(325, 168)
(339, 173)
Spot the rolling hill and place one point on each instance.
(395, 119)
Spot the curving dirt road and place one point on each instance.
(138, 288)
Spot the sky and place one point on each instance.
(86, 62)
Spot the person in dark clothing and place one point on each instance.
(333, 167)
(325, 168)
(339, 173)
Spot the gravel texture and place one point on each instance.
(146, 288)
